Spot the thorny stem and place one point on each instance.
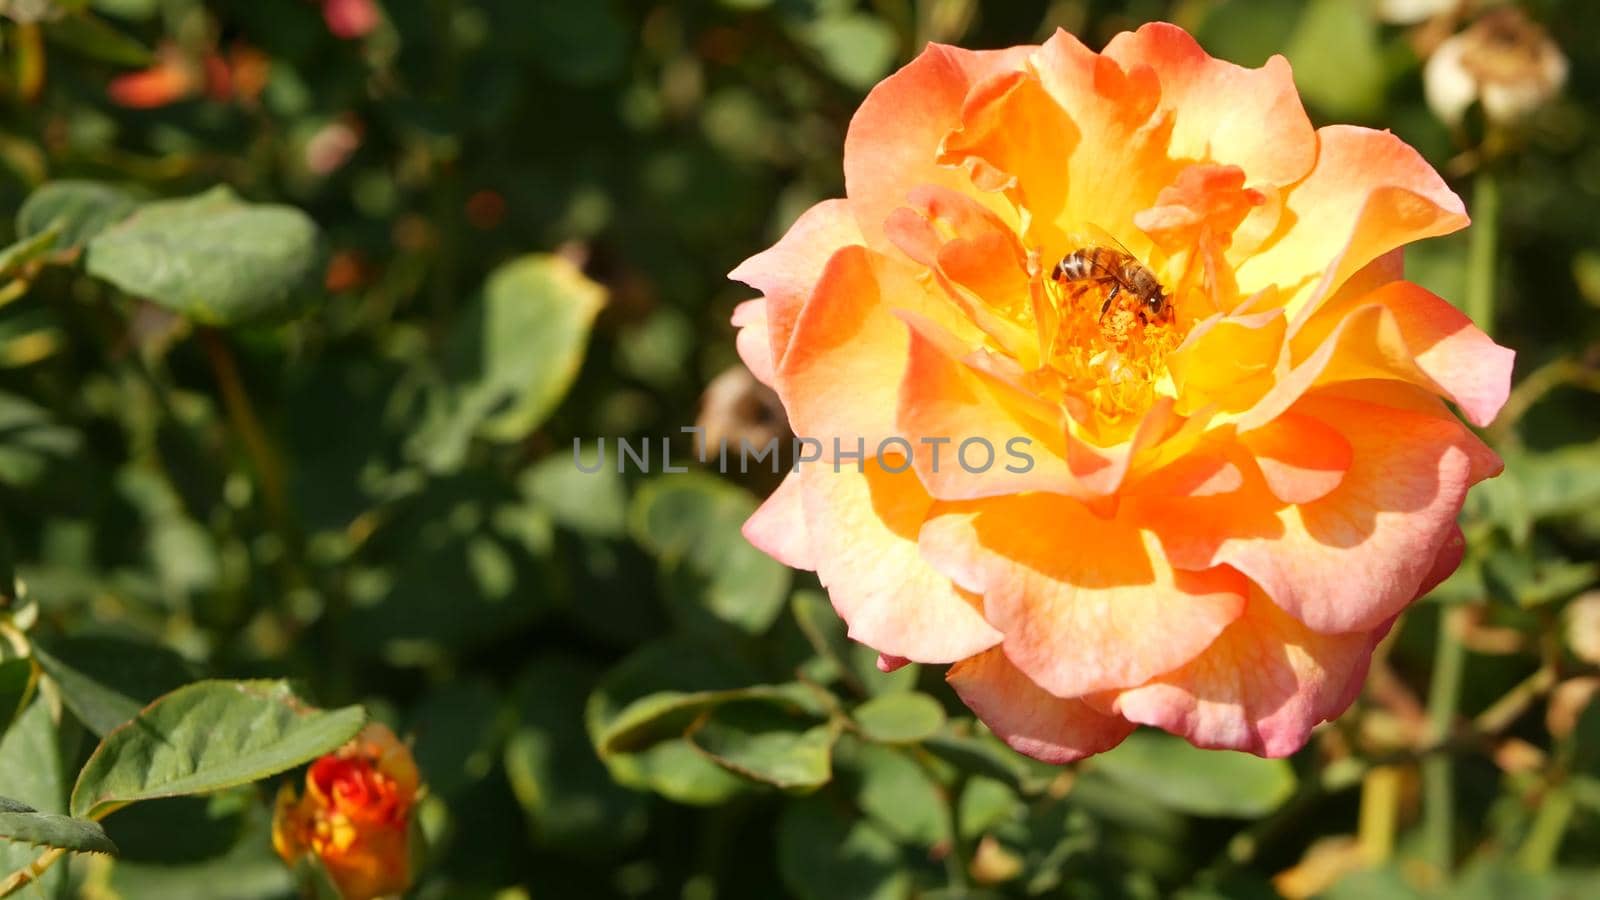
(31, 872)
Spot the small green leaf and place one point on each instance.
(984, 754)
(513, 356)
(899, 718)
(61, 832)
(1337, 58)
(825, 855)
(637, 715)
(93, 37)
(592, 503)
(77, 210)
(30, 441)
(1170, 771)
(28, 249)
(765, 744)
(691, 524)
(899, 794)
(213, 257)
(16, 686)
(856, 48)
(106, 681)
(205, 737)
(33, 773)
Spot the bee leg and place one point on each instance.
(1111, 298)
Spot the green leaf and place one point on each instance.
(856, 48)
(1560, 483)
(899, 794)
(576, 43)
(33, 772)
(1170, 771)
(824, 855)
(986, 755)
(899, 718)
(763, 743)
(247, 869)
(570, 800)
(95, 38)
(1338, 63)
(30, 441)
(61, 832)
(16, 686)
(691, 523)
(106, 681)
(27, 250)
(77, 210)
(513, 356)
(212, 257)
(591, 503)
(637, 715)
(205, 737)
(8, 568)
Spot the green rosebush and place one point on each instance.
(301, 313)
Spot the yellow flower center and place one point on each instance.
(1106, 350)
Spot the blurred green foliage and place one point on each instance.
(295, 333)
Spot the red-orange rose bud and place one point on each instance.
(355, 815)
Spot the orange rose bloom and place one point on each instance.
(355, 815)
(1238, 477)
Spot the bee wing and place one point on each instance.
(1094, 234)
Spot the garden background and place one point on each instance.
(335, 446)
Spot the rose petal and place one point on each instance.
(1352, 559)
(778, 526)
(1261, 686)
(1251, 118)
(840, 379)
(1301, 458)
(1085, 603)
(863, 529)
(1467, 365)
(893, 139)
(1028, 718)
(942, 400)
(1369, 193)
(786, 272)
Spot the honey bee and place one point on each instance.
(1101, 265)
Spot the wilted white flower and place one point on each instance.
(1410, 12)
(1505, 60)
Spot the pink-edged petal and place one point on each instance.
(1352, 559)
(944, 405)
(1260, 687)
(1467, 365)
(753, 342)
(1121, 163)
(863, 529)
(786, 272)
(893, 141)
(1301, 458)
(1369, 193)
(1028, 718)
(840, 379)
(778, 526)
(1085, 603)
(1251, 118)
